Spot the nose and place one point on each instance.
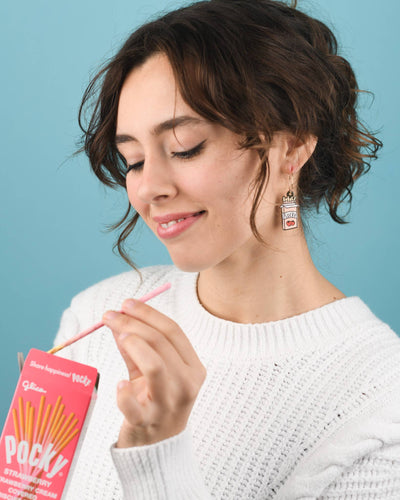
(156, 182)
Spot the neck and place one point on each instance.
(259, 284)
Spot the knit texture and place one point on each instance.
(301, 408)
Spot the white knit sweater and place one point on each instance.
(302, 408)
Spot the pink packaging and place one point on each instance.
(44, 426)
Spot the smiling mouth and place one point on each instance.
(172, 222)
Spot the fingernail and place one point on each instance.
(128, 304)
(110, 315)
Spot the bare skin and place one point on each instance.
(240, 279)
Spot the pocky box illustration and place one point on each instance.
(44, 425)
(289, 211)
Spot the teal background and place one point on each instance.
(54, 211)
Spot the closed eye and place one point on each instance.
(184, 155)
(135, 166)
(191, 152)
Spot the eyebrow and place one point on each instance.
(162, 127)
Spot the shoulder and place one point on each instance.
(111, 292)
(371, 351)
(357, 320)
(360, 368)
(357, 396)
(368, 379)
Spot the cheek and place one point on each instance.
(131, 190)
(235, 189)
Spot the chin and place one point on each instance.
(190, 265)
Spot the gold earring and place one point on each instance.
(289, 206)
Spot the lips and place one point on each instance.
(164, 219)
(172, 225)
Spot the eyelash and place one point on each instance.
(183, 155)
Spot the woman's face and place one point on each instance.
(193, 172)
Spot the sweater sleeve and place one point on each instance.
(376, 475)
(167, 470)
(361, 460)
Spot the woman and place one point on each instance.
(254, 376)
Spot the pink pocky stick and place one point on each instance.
(91, 329)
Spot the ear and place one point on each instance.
(297, 152)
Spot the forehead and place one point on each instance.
(149, 96)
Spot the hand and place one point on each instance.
(165, 374)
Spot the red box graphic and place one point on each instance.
(44, 426)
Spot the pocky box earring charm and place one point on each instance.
(289, 207)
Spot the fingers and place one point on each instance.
(165, 373)
(133, 370)
(151, 365)
(123, 326)
(164, 324)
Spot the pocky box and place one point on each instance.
(44, 426)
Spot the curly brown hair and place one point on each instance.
(255, 67)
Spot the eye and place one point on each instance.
(135, 166)
(184, 155)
